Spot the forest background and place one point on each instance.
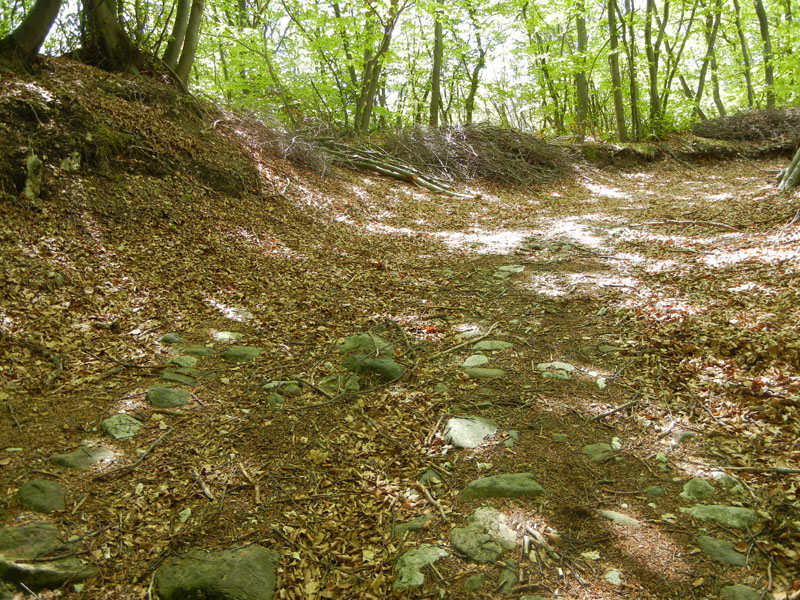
(617, 69)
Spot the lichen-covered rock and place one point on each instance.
(511, 485)
(41, 495)
(241, 353)
(468, 432)
(164, 397)
(370, 344)
(410, 564)
(82, 458)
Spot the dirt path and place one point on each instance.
(645, 314)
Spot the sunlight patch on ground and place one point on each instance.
(750, 286)
(719, 197)
(653, 307)
(270, 246)
(231, 312)
(572, 228)
(762, 255)
(605, 191)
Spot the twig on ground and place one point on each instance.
(119, 362)
(433, 502)
(781, 470)
(206, 491)
(462, 344)
(612, 411)
(316, 388)
(13, 418)
(136, 463)
(680, 222)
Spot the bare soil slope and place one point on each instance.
(672, 289)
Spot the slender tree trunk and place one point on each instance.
(746, 70)
(19, 49)
(769, 79)
(581, 86)
(190, 41)
(175, 43)
(436, 73)
(629, 40)
(715, 87)
(712, 38)
(613, 59)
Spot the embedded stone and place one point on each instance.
(486, 538)
(226, 336)
(121, 426)
(468, 432)
(696, 489)
(183, 361)
(721, 550)
(732, 516)
(484, 373)
(388, 369)
(170, 338)
(741, 592)
(511, 485)
(241, 353)
(41, 495)
(366, 343)
(619, 518)
(413, 524)
(164, 397)
(492, 345)
(599, 453)
(410, 564)
(246, 573)
(476, 360)
(82, 458)
(198, 349)
(176, 377)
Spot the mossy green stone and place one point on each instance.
(241, 353)
(510, 485)
(164, 397)
(41, 495)
(82, 458)
(484, 373)
(198, 350)
(170, 338)
(178, 378)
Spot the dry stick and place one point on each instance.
(206, 492)
(462, 344)
(675, 222)
(13, 418)
(119, 362)
(316, 388)
(612, 411)
(781, 470)
(135, 464)
(433, 502)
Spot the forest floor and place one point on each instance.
(672, 288)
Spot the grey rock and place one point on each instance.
(291, 389)
(732, 516)
(413, 524)
(654, 490)
(164, 397)
(606, 349)
(513, 436)
(440, 388)
(502, 275)
(226, 336)
(121, 426)
(33, 181)
(513, 485)
(468, 432)
(37, 541)
(170, 338)
(429, 476)
(243, 574)
(41, 495)
(557, 374)
(721, 550)
(476, 360)
(366, 343)
(484, 373)
(410, 564)
(559, 437)
(485, 538)
(511, 269)
(387, 368)
(474, 582)
(492, 345)
(599, 453)
(619, 518)
(176, 377)
(241, 353)
(198, 349)
(696, 489)
(274, 399)
(82, 458)
(742, 592)
(183, 361)
(555, 366)
(508, 578)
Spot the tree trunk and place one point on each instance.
(19, 49)
(629, 40)
(790, 176)
(105, 43)
(613, 59)
(175, 44)
(763, 25)
(436, 73)
(581, 86)
(190, 41)
(711, 40)
(748, 78)
(475, 77)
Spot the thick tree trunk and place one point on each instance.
(190, 41)
(613, 59)
(436, 74)
(175, 44)
(769, 79)
(711, 38)
(20, 47)
(790, 176)
(105, 42)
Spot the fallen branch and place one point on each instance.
(13, 418)
(678, 222)
(612, 411)
(430, 499)
(136, 463)
(316, 388)
(781, 470)
(462, 344)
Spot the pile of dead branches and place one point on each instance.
(781, 127)
(379, 161)
(463, 153)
